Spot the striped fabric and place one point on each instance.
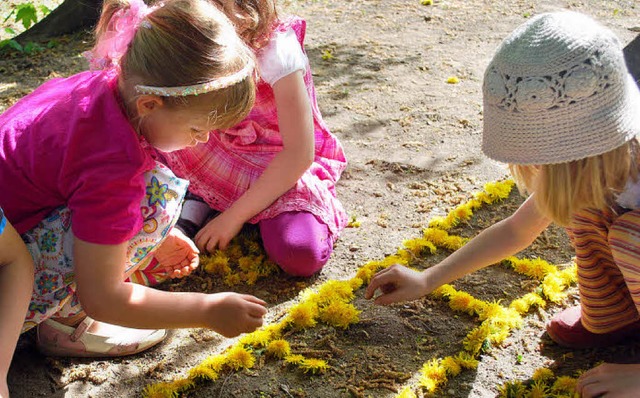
(607, 245)
(221, 170)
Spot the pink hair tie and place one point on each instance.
(120, 32)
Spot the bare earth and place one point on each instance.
(412, 140)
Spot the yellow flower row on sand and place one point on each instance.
(330, 303)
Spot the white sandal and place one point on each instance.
(56, 339)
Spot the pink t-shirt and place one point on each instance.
(69, 143)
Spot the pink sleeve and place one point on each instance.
(105, 204)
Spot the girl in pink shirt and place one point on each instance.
(279, 166)
(88, 197)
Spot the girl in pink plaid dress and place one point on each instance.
(278, 167)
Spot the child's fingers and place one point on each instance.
(254, 299)
(194, 262)
(381, 278)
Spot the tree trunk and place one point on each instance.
(632, 56)
(70, 16)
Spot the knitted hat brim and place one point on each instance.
(562, 134)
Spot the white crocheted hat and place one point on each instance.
(558, 90)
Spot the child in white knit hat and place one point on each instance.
(562, 110)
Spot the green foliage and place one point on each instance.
(27, 15)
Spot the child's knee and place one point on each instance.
(300, 258)
(624, 237)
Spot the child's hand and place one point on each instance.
(233, 313)
(218, 232)
(177, 254)
(397, 283)
(611, 380)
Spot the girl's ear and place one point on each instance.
(145, 104)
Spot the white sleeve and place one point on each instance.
(281, 57)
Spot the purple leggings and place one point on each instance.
(297, 241)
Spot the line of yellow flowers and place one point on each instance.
(330, 304)
(497, 321)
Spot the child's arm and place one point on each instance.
(495, 243)
(16, 286)
(106, 297)
(295, 121)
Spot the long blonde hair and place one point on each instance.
(182, 43)
(565, 188)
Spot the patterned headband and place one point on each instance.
(213, 85)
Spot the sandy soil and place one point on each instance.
(412, 139)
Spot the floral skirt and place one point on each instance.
(51, 246)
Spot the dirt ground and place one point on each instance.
(381, 69)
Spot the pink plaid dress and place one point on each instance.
(221, 170)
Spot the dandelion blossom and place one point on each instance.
(238, 357)
(339, 314)
(279, 349)
(313, 365)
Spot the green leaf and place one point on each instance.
(44, 10)
(53, 43)
(10, 31)
(15, 45)
(32, 47)
(9, 16)
(26, 13)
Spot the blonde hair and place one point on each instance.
(183, 43)
(254, 19)
(565, 188)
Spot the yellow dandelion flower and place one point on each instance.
(444, 291)
(355, 283)
(254, 247)
(435, 371)
(523, 304)
(216, 264)
(512, 389)
(418, 246)
(275, 329)
(232, 279)
(564, 384)
(432, 374)
(294, 359)
(463, 302)
(552, 287)
(453, 80)
(257, 339)
(498, 190)
(202, 372)
(466, 360)
(303, 315)
(279, 349)
(168, 390)
(238, 357)
(335, 290)
(569, 275)
(250, 277)
(406, 392)
(462, 212)
(246, 262)
(215, 362)
(475, 339)
(538, 389)
(313, 365)
(542, 374)
(451, 366)
(440, 223)
(339, 314)
(234, 251)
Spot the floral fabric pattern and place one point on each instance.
(51, 246)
